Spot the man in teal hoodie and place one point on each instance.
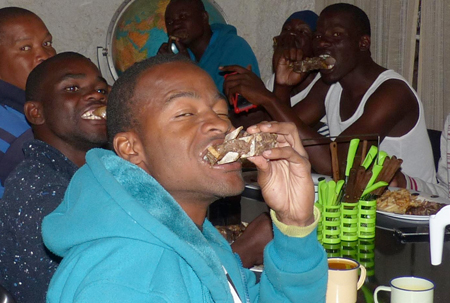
(132, 226)
(212, 46)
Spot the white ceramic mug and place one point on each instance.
(343, 281)
(408, 289)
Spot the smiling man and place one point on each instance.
(61, 95)
(132, 226)
(24, 43)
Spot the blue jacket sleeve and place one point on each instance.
(295, 270)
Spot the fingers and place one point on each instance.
(287, 135)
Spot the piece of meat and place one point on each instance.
(314, 63)
(237, 146)
(426, 208)
(100, 112)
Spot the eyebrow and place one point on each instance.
(181, 94)
(29, 38)
(80, 76)
(189, 94)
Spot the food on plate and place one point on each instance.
(232, 232)
(239, 145)
(402, 202)
(100, 112)
(314, 63)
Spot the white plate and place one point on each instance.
(420, 196)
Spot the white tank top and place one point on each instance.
(414, 147)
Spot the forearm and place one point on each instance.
(316, 145)
(283, 93)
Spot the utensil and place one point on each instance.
(371, 155)
(334, 160)
(374, 187)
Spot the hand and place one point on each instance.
(399, 180)
(246, 83)
(250, 245)
(284, 71)
(166, 48)
(284, 175)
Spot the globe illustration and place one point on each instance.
(137, 30)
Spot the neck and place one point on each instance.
(75, 154)
(361, 78)
(195, 208)
(199, 46)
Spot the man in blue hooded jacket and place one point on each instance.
(132, 225)
(212, 46)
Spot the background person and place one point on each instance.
(61, 95)
(24, 43)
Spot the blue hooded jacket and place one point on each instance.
(125, 239)
(226, 48)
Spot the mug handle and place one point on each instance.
(380, 288)
(362, 277)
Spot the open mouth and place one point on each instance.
(328, 60)
(95, 114)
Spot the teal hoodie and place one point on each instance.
(225, 48)
(123, 238)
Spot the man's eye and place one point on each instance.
(184, 115)
(25, 48)
(317, 36)
(48, 43)
(72, 88)
(336, 34)
(102, 91)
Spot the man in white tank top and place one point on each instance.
(364, 97)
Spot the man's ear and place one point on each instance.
(205, 16)
(34, 112)
(128, 146)
(364, 43)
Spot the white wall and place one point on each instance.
(81, 25)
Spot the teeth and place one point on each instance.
(90, 116)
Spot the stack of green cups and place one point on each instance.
(332, 250)
(367, 213)
(349, 221)
(349, 249)
(366, 255)
(331, 223)
(319, 225)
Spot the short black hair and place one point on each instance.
(9, 13)
(362, 23)
(123, 105)
(33, 90)
(198, 3)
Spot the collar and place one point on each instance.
(12, 96)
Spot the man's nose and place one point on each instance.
(44, 53)
(215, 123)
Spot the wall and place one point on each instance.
(81, 25)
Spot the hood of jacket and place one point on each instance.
(111, 197)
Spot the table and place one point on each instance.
(395, 256)
(393, 253)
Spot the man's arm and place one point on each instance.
(294, 261)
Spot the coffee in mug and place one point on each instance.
(408, 289)
(343, 281)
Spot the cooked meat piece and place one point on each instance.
(237, 147)
(426, 208)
